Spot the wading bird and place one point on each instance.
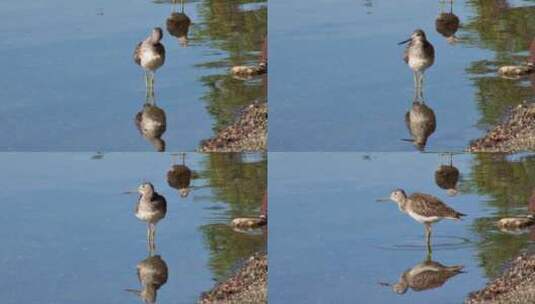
(150, 55)
(425, 209)
(419, 55)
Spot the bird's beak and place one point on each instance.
(382, 200)
(404, 41)
(130, 192)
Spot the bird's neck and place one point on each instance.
(402, 204)
(147, 196)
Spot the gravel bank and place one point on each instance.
(247, 286)
(517, 133)
(248, 133)
(515, 286)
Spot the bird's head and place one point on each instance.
(145, 188)
(156, 35)
(398, 195)
(417, 35)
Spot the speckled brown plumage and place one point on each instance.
(429, 206)
(426, 275)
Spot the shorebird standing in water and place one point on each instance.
(419, 55)
(425, 209)
(150, 55)
(151, 207)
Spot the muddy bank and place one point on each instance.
(247, 286)
(516, 285)
(248, 133)
(517, 133)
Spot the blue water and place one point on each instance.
(69, 235)
(331, 242)
(341, 84)
(70, 83)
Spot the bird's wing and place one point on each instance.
(137, 54)
(429, 49)
(406, 53)
(160, 49)
(428, 205)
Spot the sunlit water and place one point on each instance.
(341, 84)
(69, 235)
(331, 242)
(70, 83)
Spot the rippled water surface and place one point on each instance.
(341, 84)
(332, 242)
(70, 83)
(69, 235)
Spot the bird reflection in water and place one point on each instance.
(447, 24)
(178, 24)
(179, 176)
(447, 176)
(152, 124)
(421, 122)
(426, 275)
(152, 274)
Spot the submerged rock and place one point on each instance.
(248, 222)
(514, 71)
(513, 223)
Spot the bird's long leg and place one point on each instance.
(152, 75)
(428, 237)
(146, 85)
(153, 234)
(148, 237)
(415, 74)
(421, 85)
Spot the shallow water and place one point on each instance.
(341, 84)
(70, 83)
(332, 242)
(70, 235)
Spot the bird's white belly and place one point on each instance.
(151, 60)
(418, 63)
(146, 215)
(424, 219)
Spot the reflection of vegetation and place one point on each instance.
(240, 34)
(506, 31)
(508, 185)
(241, 185)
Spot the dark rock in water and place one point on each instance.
(447, 24)
(179, 177)
(446, 177)
(178, 26)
